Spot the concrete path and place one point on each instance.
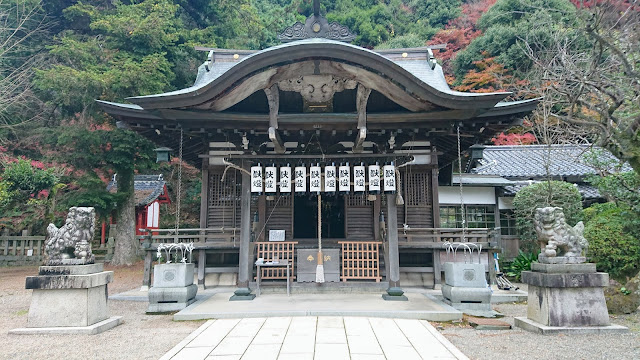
(310, 337)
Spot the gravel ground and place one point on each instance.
(140, 337)
(151, 336)
(520, 344)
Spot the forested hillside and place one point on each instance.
(58, 149)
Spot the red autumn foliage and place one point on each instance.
(514, 139)
(460, 31)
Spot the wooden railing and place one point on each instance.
(202, 237)
(435, 237)
(360, 260)
(21, 249)
(281, 250)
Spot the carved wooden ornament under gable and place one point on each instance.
(317, 88)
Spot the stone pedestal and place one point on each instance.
(466, 289)
(69, 299)
(173, 288)
(567, 298)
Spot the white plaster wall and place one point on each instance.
(505, 203)
(471, 195)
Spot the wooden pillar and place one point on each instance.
(394, 257)
(243, 292)
(394, 292)
(146, 279)
(202, 263)
(204, 194)
(434, 191)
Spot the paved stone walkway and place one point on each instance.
(300, 338)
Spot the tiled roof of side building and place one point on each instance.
(528, 161)
(147, 188)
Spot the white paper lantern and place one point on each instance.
(300, 179)
(315, 179)
(270, 180)
(330, 178)
(344, 178)
(374, 179)
(359, 178)
(256, 179)
(389, 178)
(285, 180)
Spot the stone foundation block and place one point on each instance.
(68, 307)
(585, 268)
(567, 307)
(456, 294)
(171, 299)
(566, 280)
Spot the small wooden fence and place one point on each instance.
(360, 260)
(269, 251)
(21, 250)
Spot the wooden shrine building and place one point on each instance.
(312, 103)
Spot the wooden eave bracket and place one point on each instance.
(278, 144)
(273, 97)
(362, 97)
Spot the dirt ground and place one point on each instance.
(140, 337)
(151, 336)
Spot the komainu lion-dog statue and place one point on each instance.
(554, 233)
(71, 244)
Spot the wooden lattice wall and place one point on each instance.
(223, 205)
(284, 250)
(360, 260)
(359, 217)
(417, 210)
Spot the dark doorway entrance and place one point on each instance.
(305, 217)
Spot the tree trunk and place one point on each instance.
(127, 246)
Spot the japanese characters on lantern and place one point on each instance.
(285, 180)
(270, 180)
(374, 179)
(344, 178)
(300, 179)
(389, 178)
(315, 179)
(359, 178)
(330, 179)
(256, 179)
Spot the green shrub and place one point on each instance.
(521, 263)
(554, 193)
(613, 243)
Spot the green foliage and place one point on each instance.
(24, 180)
(521, 263)
(612, 233)
(104, 152)
(510, 22)
(553, 193)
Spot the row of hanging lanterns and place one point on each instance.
(336, 179)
